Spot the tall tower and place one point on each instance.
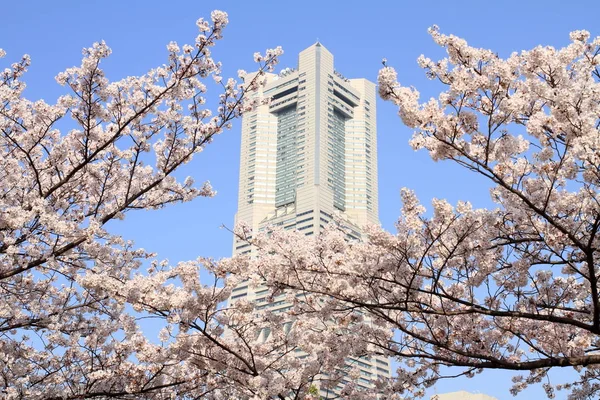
(308, 157)
(310, 154)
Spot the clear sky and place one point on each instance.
(358, 33)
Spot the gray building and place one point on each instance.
(312, 152)
(462, 395)
(307, 158)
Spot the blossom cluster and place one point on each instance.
(514, 287)
(68, 286)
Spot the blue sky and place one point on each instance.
(358, 33)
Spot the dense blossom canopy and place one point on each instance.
(514, 287)
(72, 293)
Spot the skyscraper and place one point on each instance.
(307, 158)
(311, 153)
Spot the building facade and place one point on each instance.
(462, 395)
(307, 158)
(312, 152)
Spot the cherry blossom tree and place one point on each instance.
(514, 287)
(72, 293)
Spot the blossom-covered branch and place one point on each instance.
(64, 279)
(515, 287)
